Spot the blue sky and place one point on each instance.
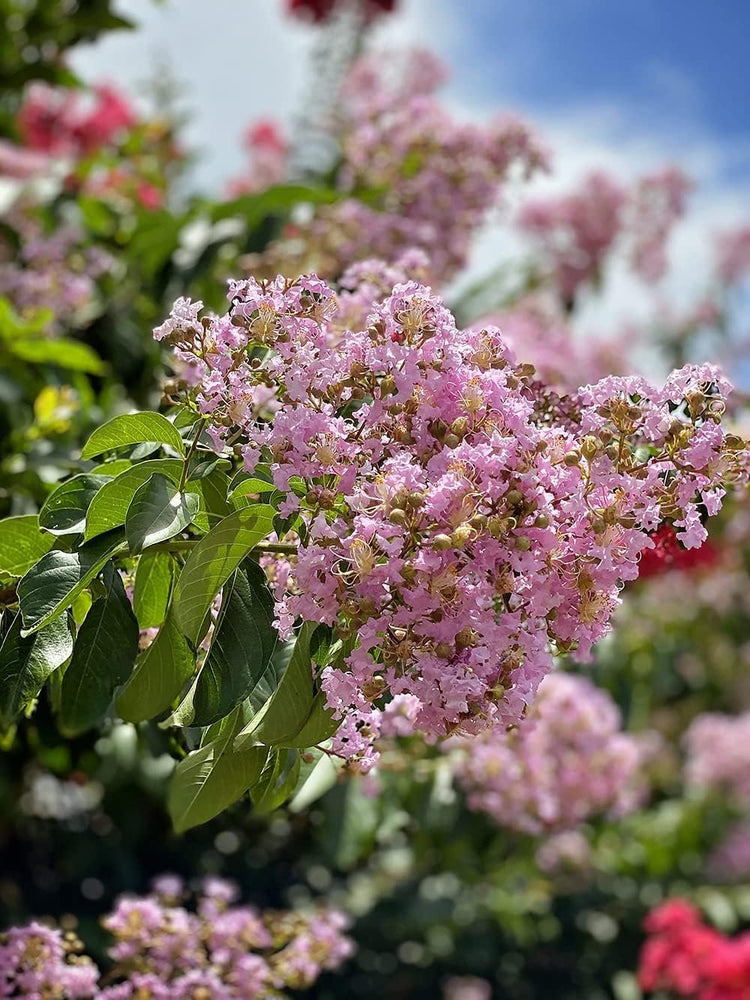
(681, 62)
(627, 85)
(563, 51)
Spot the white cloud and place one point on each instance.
(244, 59)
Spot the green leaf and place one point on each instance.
(158, 511)
(253, 208)
(213, 561)
(55, 581)
(212, 490)
(277, 781)
(249, 486)
(160, 675)
(153, 584)
(133, 428)
(64, 510)
(241, 650)
(109, 508)
(22, 544)
(103, 656)
(27, 662)
(316, 778)
(72, 355)
(284, 715)
(319, 726)
(212, 777)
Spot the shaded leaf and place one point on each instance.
(103, 656)
(55, 581)
(277, 781)
(64, 510)
(160, 675)
(316, 777)
(211, 778)
(213, 561)
(286, 712)
(241, 650)
(27, 661)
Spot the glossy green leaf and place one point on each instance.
(277, 781)
(319, 726)
(157, 512)
(213, 777)
(27, 662)
(109, 508)
(103, 656)
(55, 581)
(241, 650)
(213, 561)
(133, 428)
(160, 675)
(22, 544)
(153, 584)
(212, 490)
(317, 776)
(64, 510)
(284, 715)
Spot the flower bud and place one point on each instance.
(572, 458)
(466, 638)
(462, 535)
(523, 543)
(589, 446)
(444, 650)
(398, 516)
(442, 542)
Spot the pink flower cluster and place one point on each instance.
(54, 271)
(562, 360)
(166, 952)
(320, 10)
(467, 988)
(435, 178)
(457, 518)
(718, 755)
(268, 152)
(733, 254)
(566, 762)
(55, 121)
(658, 201)
(39, 962)
(577, 231)
(686, 958)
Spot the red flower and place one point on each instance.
(668, 554)
(320, 10)
(688, 959)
